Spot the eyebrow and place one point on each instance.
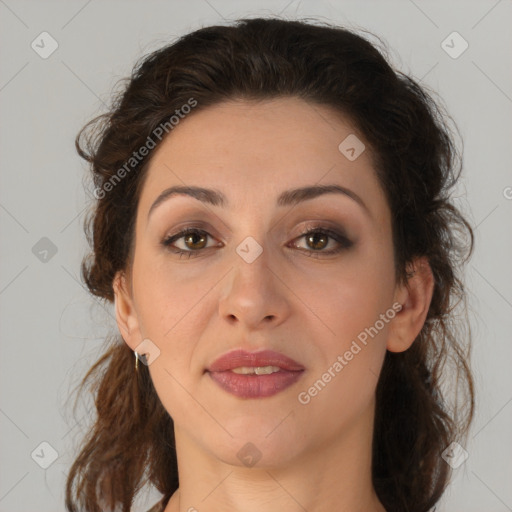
(287, 198)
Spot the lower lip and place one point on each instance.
(255, 386)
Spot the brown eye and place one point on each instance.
(194, 240)
(317, 239)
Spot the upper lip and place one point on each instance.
(239, 357)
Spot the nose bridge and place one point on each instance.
(253, 293)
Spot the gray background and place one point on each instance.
(51, 330)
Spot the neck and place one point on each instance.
(333, 474)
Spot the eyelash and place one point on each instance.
(344, 242)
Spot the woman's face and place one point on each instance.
(327, 304)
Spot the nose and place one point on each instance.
(254, 294)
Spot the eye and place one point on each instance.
(317, 239)
(194, 240)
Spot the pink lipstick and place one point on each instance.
(254, 374)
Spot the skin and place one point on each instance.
(314, 456)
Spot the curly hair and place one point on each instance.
(417, 164)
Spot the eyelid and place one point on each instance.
(181, 233)
(301, 229)
(194, 225)
(336, 234)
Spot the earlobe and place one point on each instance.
(126, 317)
(415, 297)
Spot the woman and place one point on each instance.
(273, 225)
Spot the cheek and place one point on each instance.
(350, 344)
(349, 296)
(168, 298)
(353, 305)
(175, 300)
(172, 315)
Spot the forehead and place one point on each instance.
(253, 150)
(263, 130)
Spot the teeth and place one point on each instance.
(258, 370)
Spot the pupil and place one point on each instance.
(321, 237)
(191, 237)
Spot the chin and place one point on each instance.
(255, 453)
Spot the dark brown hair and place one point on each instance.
(417, 164)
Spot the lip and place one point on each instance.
(239, 357)
(254, 386)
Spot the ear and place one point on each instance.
(415, 297)
(126, 316)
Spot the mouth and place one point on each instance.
(255, 385)
(254, 374)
